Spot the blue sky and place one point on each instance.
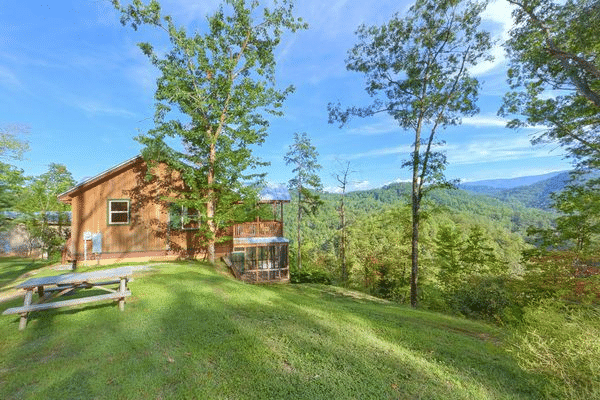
(75, 76)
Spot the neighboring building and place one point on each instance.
(17, 240)
(119, 215)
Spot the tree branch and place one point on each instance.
(563, 57)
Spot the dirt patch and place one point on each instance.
(11, 295)
(479, 335)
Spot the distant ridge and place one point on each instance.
(511, 183)
(536, 194)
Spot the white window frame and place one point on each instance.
(111, 212)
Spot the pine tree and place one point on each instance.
(306, 182)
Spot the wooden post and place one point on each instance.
(40, 291)
(23, 322)
(281, 204)
(122, 289)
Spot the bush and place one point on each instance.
(432, 297)
(562, 344)
(309, 275)
(483, 297)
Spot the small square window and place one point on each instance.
(118, 212)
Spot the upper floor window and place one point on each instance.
(118, 212)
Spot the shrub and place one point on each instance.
(309, 275)
(562, 344)
(482, 297)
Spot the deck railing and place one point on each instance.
(258, 229)
(267, 275)
(264, 273)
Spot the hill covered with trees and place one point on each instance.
(378, 236)
(535, 195)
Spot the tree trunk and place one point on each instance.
(343, 243)
(414, 273)
(299, 254)
(210, 205)
(415, 202)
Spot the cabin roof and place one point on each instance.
(92, 179)
(270, 194)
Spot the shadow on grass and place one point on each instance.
(187, 332)
(419, 348)
(11, 268)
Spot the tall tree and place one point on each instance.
(449, 245)
(11, 185)
(217, 87)
(342, 178)
(554, 74)
(566, 255)
(39, 198)
(12, 142)
(417, 70)
(478, 255)
(12, 147)
(577, 228)
(307, 183)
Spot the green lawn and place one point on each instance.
(13, 268)
(190, 331)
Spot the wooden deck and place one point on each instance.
(258, 229)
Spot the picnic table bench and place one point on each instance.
(51, 287)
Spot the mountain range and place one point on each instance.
(511, 183)
(530, 191)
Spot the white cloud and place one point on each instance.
(361, 185)
(96, 107)
(499, 150)
(352, 187)
(9, 79)
(497, 14)
(386, 151)
(388, 125)
(485, 121)
(398, 180)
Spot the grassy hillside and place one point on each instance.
(190, 331)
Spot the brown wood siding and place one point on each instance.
(147, 230)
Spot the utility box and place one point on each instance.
(97, 243)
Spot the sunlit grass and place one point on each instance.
(13, 268)
(191, 331)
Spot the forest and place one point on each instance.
(525, 258)
(460, 228)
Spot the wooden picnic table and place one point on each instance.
(51, 287)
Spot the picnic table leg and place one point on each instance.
(122, 289)
(40, 291)
(23, 322)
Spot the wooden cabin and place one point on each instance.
(119, 216)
